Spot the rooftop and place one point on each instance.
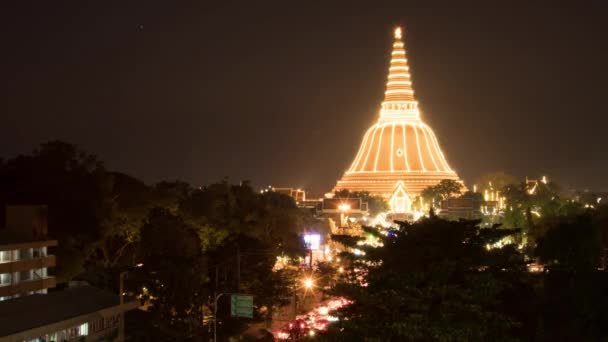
(38, 310)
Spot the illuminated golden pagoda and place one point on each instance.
(399, 155)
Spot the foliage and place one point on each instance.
(574, 304)
(534, 207)
(173, 259)
(441, 191)
(435, 280)
(571, 245)
(76, 188)
(273, 218)
(187, 239)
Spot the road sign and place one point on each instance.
(241, 306)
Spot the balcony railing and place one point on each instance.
(27, 286)
(27, 264)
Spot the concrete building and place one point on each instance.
(24, 266)
(454, 208)
(27, 311)
(82, 313)
(24, 257)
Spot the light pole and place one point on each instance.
(121, 286)
(308, 283)
(215, 316)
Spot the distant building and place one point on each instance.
(532, 184)
(82, 313)
(24, 257)
(466, 208)
(298, 195)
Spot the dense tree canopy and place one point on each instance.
(180, 243)
(443, 190)
(437, 280)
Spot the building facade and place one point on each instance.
(24, 268)
(82, 313)
(24, 252)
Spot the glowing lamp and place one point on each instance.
(344, 207)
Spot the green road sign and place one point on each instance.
(241, 306)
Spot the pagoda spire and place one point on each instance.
(399, 102)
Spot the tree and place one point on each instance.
(431, 195)
(534, 207)
(436, 280)
(176, 269)
(77, 190)
(441, 191)
(448, 187)
(573, 244)
(573, 297)
(273, 218)
(254, 229)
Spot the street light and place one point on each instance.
(344, 208)
(308, 283)
(121, 288)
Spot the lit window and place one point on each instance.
(6, 278)
(83, 330)
(5, 256)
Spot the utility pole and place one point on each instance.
(295, 303)
(121, 329)
(310, 258)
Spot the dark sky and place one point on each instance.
(281, 92)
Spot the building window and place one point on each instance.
(83, 330)
(6, 278)
(25, 254)
(5, 256)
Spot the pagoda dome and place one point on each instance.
(394, 146)
(399, 149)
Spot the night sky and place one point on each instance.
(281, 93)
